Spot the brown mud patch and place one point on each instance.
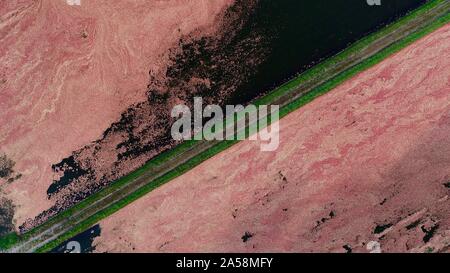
(362, 168)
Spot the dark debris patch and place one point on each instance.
(413, 225)
(348, 248)
(331, 215)
(429, 233)
(247, 236)
(380, 228)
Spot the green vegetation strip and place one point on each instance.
(12, 239)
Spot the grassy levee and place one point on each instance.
(285, 90)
